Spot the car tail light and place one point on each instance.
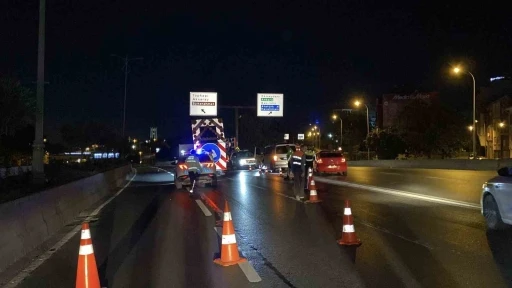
(342, 160)
(275, 157)
(319, 161)
(211, 175)
(209, 165)
(183, 166)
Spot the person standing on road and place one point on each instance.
(194, 168)
(288, 159)
(298, 164)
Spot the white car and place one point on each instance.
(496, 201)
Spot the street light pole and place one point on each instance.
(38, 146)
(126, 62)
(341, 133)
(458, 70)
(474, 116)
(367, 130)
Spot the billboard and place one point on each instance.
(393, 104)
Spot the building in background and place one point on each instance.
(494, 128)
(389, 106)
(153, 134)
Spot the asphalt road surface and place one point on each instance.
(461, 185)
(154, 236)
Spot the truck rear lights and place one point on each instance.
(183, 166)
(343, 160)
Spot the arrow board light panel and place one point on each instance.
(270, 105)
(203, 104)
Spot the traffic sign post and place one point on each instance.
(203, 104)
(270, 105)
(286, 136)
(213, 149)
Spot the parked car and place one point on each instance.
(496, 200)
(243, 159)
(274, 156)
(207, 175)
(330, 163)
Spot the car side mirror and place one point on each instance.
(503, 171)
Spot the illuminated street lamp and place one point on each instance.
(334, 117)
(458, 70)
(358, 103)
(502, 124)
(470, 127)
(330, 135)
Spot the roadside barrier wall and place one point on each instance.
(29, 221)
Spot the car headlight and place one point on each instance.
(242, 162)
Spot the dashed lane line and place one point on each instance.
(40, 260)
(203, 208)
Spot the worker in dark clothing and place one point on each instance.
(298, 163)
(194, 169)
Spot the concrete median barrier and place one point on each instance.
(29, 221)
(451, 164)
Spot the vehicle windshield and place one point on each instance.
(330, 155)
(284, 149)
(244, 154)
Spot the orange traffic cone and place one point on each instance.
(348, 236)
(310, 174)
(87, 272)
(313, 197)
(229, 253)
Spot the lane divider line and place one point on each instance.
(246, 267)
(401, 193)
(46, 255)
(203, 208)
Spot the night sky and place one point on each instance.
(320, 54)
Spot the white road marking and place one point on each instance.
(249, 272)
(203, 208)
(45, 256)
(402, 193)
(246, 267)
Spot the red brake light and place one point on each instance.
(319, 160)
(342, 159)
(183, 166)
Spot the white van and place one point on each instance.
(274, 156)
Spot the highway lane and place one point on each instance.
(461, 185)
(414, 243)
(152, 235)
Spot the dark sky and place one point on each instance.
(318, 53)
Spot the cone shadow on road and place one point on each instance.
(499, 244)
(116, 256)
